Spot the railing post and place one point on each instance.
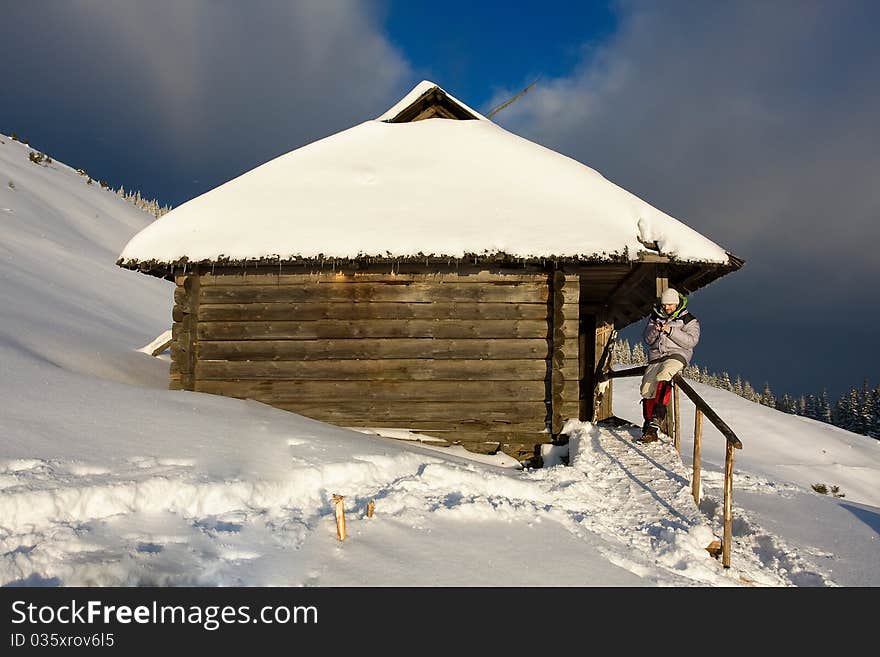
(698, 438)
(702, 408)
(728, 505)
(676, 423)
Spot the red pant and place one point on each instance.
(655, 408)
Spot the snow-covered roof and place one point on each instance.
(442, 187)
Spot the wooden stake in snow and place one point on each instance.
(371, 506)
(157, 346)
(340, 517)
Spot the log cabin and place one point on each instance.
(424, 270)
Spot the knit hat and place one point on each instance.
(670, 295)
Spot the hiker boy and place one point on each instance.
(671, 335)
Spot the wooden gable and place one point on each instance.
(433, 104)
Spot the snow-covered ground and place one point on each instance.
(108, 478)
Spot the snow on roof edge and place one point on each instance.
(498, 259)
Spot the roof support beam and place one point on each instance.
(632, 280)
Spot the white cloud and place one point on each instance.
(755, 123)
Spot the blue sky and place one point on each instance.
(753, 122)
(492, 45)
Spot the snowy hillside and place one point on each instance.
(108, 478)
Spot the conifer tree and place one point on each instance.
(852, 411)
(823, 408)
(845, 409)
(620, 353)
(738, 386)
(767, 398)
(626, 354)
(786, 404)
(639, 357)
(135, 198)
(865, 410)
(874, 430)
(811, 409)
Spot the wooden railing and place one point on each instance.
(702, 408)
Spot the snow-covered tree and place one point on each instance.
(865, 410)
(738, 386)
(750, 393)
(787, 404)
(823, 407)
(767, 398)
(874, 407)
(691, 372)
(152, 206)
(811, 407)
(621, 352)
(639, 357)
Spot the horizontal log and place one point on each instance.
(185, 280)
(522, 452)
(403, 369)
(499, 348)
(570, 370)
(183, 299)
(409, 413)
(629, 371)
(238, 312)
(475, 440)
(560, 361)
(524, 439)
(529, 425)
(367, 292)
(272, 392)
(180, 360)
(181, 331)
(268, 278)
(378, 328)
(566, 396)
(569, 410)
(479, 445)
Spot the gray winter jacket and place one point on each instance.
(680, 342)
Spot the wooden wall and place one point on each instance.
(566, 349)
(183, 333)
(485, 359)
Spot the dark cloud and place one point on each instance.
(756, 124)
(195, 90)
